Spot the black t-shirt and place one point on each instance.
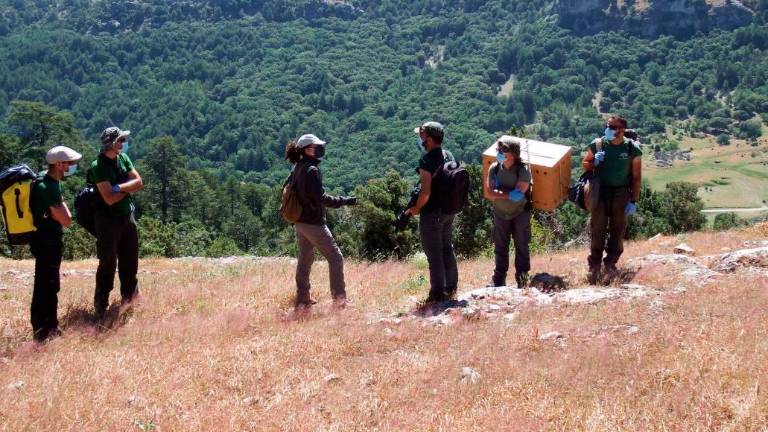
(431, 162)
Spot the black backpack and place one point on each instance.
(576, 192)
(451, 187)
(87, 203)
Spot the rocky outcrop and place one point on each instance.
(645, 18)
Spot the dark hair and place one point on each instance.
(621, 120)
(292, 152)
(513, 147)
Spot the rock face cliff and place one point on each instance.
(652, 18)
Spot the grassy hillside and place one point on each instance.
(213, 345)
(732, 176)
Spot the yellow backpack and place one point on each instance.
(15, 193)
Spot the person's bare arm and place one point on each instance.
(637, 177)
(426, 189)
(109, 197)
(61, 214)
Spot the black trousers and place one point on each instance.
(608, 222)
(117, 246)
(47, 248)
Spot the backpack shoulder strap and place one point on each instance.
(495, 174)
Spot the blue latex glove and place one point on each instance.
(516, 196)
(630, 209)
(599, 158)
(115, 188)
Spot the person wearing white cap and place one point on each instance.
(312, 231)
(117, 238)
(51, 215)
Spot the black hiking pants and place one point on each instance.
(608, 222)
(47, 248)
(117, 246)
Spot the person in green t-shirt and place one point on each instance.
(435, 228)
(117, 239)
(506, 186)
(616, 161)
(51, 215)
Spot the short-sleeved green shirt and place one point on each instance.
(506, 180)
(615, 171)
(430, 162)
(45, 194)
(114, 171)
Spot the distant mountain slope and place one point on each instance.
(680, 18)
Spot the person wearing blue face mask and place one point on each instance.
(506, 186)
(616, 161)
(117, 238)
(435, 227)
(51, 215)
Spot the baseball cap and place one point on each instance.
(431, 128)
(111, 134)
(61, 154)
(308, 140)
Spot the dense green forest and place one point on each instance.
(214, 89)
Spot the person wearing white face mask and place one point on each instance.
(117, 239)
(51, 215)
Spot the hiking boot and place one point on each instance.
(133, 298)
(522, 280)
(495, 284)
(303, 307)
(340, 302)
(593, 276)
(449, 295)
(46, 334)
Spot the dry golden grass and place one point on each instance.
(215, 347)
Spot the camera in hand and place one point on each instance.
(402, 219)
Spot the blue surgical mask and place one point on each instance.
(125, 147)
(501, 157)
(70, 171)
(420, 144)
(610, 134)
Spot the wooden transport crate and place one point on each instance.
(550, 166)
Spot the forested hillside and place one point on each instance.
(230, 82)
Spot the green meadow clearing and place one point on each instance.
(733, 176)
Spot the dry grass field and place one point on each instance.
(213, 345)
